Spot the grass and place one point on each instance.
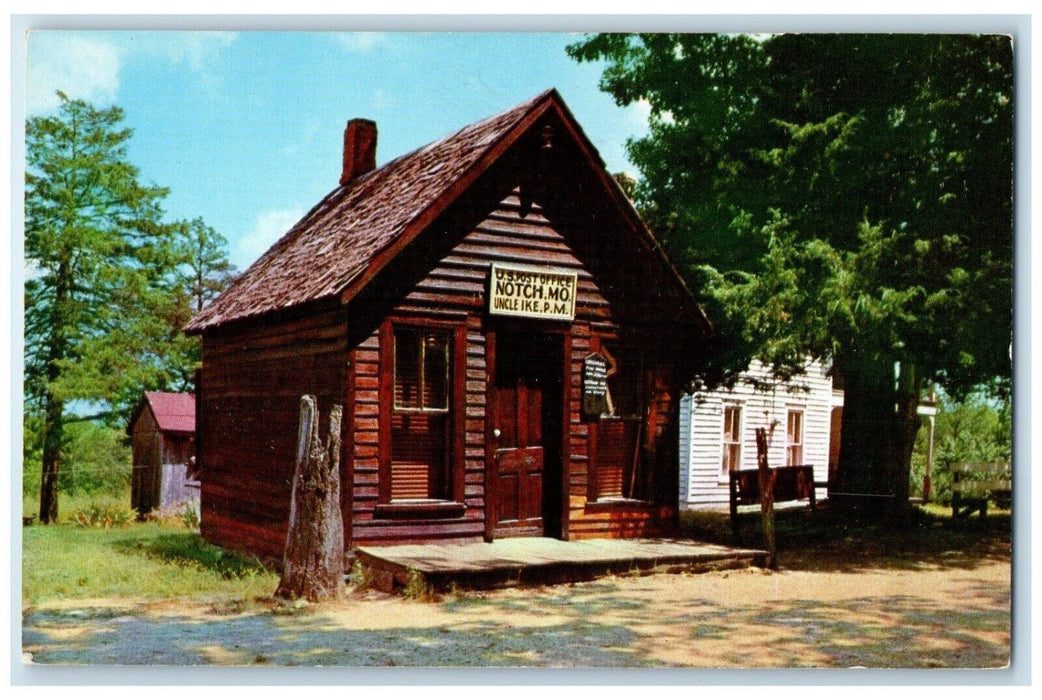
(144, 561)
(162, 559)
(68, 503)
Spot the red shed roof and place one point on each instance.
(357, 228)
(174, 413)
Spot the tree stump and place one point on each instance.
(766, 497)
(313, 563)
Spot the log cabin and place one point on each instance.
(162, 437)
(508, 339)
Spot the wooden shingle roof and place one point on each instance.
(335, 242)
(348, 237)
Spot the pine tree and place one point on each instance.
(207, 270)
(100, 300)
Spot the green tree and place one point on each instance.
(207, 270)
(976, 428)
(837, 196)
(201, 272)
(107, 292)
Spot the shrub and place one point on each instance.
(185, 515)
(95, 459)
(360, 576)
(190, 514)
(417, 588)
(105, 516)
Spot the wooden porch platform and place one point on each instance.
(539, 560)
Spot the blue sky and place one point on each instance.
(246, 128)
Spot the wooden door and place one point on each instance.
(525, 422)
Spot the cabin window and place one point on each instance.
(421, 370)
(618, 451)
(420, 416)
(794, 438)
(629, 438)
(732, 440)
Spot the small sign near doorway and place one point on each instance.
(595, 385)
(532, 292)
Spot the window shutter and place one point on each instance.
(616, 446)
(418, 449)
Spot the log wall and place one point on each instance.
(454, 292)
(248, 402)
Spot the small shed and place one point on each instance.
(508, 340)
(162, 433)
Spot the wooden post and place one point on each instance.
(732, 478)
(927, 487)
(766, 497)
(313, 563)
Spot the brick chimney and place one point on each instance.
(359, 149)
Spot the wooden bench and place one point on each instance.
(976, 483)
(790, 484)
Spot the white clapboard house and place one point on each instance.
(718, 430)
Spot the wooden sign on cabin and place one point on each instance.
(595, 385)
(532, 292)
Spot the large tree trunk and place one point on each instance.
(52, 440)
(54, 407)
(877, 436)
(313, 565)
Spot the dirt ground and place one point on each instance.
(868, 603)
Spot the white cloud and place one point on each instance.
(305, 140)
(195, 49)
(81, 67)
(267, 228)
(31, 269)
(86, 65)
(360, 42)
(198, 51)
(383, 101)
(638, 113)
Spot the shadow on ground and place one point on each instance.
(827, 542)
(303, 640)
(606, 623)
(587, 625)
(189, 549)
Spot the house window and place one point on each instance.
(794, 438)
(732, 440)
(420, 415)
